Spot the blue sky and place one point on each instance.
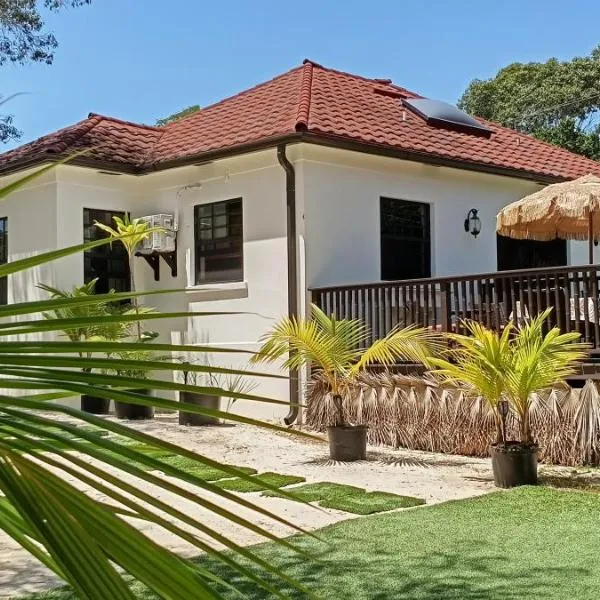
(144, 59)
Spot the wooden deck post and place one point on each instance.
(445, 305)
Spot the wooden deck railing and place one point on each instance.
(443, 303)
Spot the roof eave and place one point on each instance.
(308, 137)
(427, 158)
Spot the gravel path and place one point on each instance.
(433, 477)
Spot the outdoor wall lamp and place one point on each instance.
(473, 223)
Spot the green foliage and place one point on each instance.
(511, 365)
(131, 233)
(556, 101)
(96, 310)
(24, 40)
(45, 461)
(190, 110)
(337, 348)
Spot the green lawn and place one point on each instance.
(524, 544)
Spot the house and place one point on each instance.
(315, 178)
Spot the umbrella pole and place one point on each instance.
(591, 237)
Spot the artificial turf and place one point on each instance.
(312, 492)
(349, 498)
(367, 503)
(259, 482)
(523, 544)
(205, 472)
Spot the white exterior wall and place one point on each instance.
(337, 195)
(84, 188)
(341, 191)
(261, 299)
(31, 213)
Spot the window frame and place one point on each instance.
(121, 253)
(425, 240)
(199, 254)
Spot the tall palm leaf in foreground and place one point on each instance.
(512, 366)
(47, 458)
(336, 348)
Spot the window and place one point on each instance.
(218, 234)
(529, 254)
(3, 258)
(108, 263)
(405, 239)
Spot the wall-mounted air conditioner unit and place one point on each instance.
(160, 241)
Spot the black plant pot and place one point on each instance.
(134, 412)
(205, 401)
(514, 464)
(94, 405)
(347, 442)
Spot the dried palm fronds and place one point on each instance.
(567, 210)
(419, 413)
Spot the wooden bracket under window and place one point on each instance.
(154, 261)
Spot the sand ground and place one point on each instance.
(432, 477)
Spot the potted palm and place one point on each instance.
(90, 404)
(232, 384)
(337, 349)
(211, 402)
(128, 410)
(508, 369)
(131, 233)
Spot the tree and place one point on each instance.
(23, 39)
(22, 35)
(178, 115)
(556, 101)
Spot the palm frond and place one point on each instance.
(44, 460)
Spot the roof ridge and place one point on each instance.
(305, 97)
(124, 122)
(377, 80)
(223, 100)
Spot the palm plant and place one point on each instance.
(478, 362)
(337, 349)
(131, 233)
(508, 369)
(538, 362)
(82, 333)
(45, 461)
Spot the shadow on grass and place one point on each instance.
(353, 566)
(571, 481)
(470, 574)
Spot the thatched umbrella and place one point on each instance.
(569, 211)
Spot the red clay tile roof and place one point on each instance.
(309, 102)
